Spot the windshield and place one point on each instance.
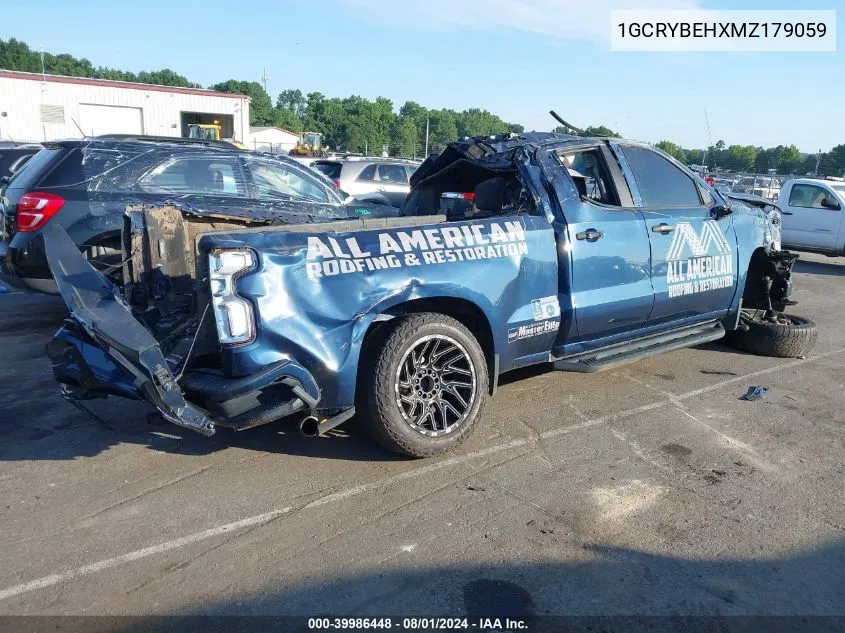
(311, 139)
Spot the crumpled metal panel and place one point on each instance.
(105, 317)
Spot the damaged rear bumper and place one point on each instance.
(103, 350)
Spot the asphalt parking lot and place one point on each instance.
(648, 489)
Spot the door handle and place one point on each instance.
(591, 235)
(786, 212)
(662, 228)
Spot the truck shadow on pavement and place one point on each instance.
(60, 432)
(644, 591)
(37, 424)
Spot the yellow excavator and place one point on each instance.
(205, 132)
(310, 144)
(210, 132)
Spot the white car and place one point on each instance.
(812, 215)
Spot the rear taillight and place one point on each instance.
(455, 195)
(35, 209)
(336, 183)
(233, 313)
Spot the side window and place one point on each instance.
(210, 176)
(94, 167)
(393, 174)
(368, 173)
(19, 162)
(807, 196)
(705, 195)
(31, 173)
(661, 184)
(589, 172)
(274, 180)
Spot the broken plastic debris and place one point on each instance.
(755, 393)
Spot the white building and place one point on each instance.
(271, 139)
(36, 107)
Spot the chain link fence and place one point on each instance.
(270, 148)
(412, 152)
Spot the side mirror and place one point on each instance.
(4, 180)
(829, 203)
(720, 211)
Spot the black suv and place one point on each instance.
(85, 185)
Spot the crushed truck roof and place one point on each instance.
(494, 152)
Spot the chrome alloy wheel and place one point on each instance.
(435, 385)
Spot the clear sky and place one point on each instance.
(516, 58)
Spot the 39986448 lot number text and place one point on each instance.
(488, 625)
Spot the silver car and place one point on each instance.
(357, 176)
(763, 186)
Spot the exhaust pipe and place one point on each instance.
(309, 426)
(313, 427)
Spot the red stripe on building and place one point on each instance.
(108, 83)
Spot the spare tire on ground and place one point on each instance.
(790, 337)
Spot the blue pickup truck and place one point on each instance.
(509, 251)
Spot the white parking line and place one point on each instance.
(55, 579)
(260, 519)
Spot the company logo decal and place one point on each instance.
(531, 330)
(330, 256)
(698, 263)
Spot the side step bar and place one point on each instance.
(611, 356)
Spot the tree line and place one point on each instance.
(783, 159)
(357, 124)
(16, 55)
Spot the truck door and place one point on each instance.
(812, 216)
(603, 246)
(693, 254)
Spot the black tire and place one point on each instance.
(794, 337)
(385, 399)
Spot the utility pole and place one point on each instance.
(43, 91)
(264, 79)
(426, 137)
(710, 137)
(818, 160)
